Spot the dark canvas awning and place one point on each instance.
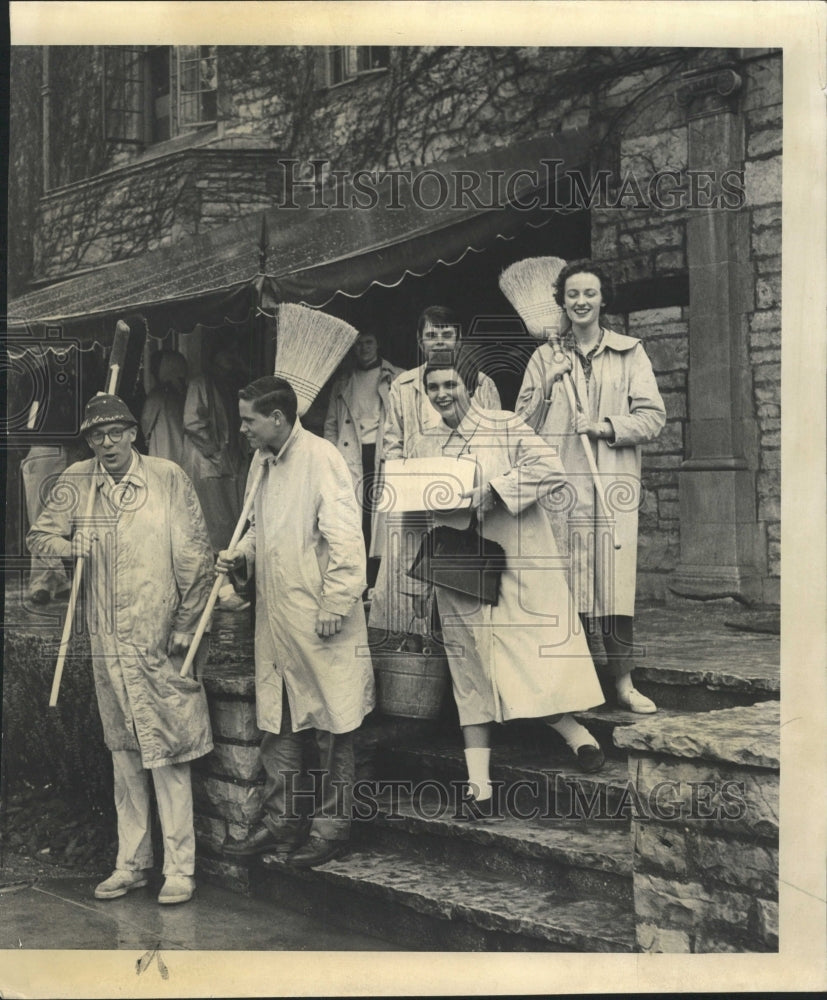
(313, 254)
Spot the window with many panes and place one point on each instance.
(339, 63)
(154, 93)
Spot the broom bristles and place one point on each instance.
(529, 287)
(309, 347)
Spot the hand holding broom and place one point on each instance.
(221, 579)
(568, 385)
(529, 286)
(116, 360)
(309, 346)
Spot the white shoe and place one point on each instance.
(228, 600)
(177, 889)
(636, 702)
(119, 883)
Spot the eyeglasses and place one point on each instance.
(114, 434)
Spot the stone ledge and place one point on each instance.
(740, 801)
(745, 737)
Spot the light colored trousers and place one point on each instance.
(173, 793)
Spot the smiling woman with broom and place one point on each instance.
(592, 393)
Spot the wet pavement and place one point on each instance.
(62, 913)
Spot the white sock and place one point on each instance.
(573, 733)
(477, 760)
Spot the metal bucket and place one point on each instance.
(412, 685)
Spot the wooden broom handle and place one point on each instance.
(73, 599)
(587, 448)
(111, 388)
(221, 580)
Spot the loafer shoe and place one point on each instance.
(471, 810)
(177, 889)
(638, 703)
(589, 758)
(40, 596)
(317, 851)
(260, 841)
(119, 883)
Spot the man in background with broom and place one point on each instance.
(306, 546)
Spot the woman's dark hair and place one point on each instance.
(465, 363)
(585, 267)
(439, 316)
(270, 393)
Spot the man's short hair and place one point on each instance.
(439, 316)
(270, 393)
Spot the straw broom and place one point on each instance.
(309, 347)
(116, 361)
(529, 287)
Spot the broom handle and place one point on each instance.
(70, 611)
(587, 448)
(221, 580)
(121, 335)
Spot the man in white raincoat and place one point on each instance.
(313, 670)
(149, 573)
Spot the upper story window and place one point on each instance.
(154, 93)
(340, 63)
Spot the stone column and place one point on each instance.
(721, 550)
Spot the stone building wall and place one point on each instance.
(139, 207)
(435, 103)
(665, 336)
(762, 167)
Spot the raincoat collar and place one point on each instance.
(609, 340)
(268, 456)
(131, 476)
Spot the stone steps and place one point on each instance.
(557, 873)
(603, 723)
(535, 779)
(422, 903)
(576, 858)
(553, 875)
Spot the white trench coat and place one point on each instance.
(148, 577)
(623, 390)
(526, 656)
(306, 546)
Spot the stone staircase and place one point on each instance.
(557, 873)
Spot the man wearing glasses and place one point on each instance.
(150, 569)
